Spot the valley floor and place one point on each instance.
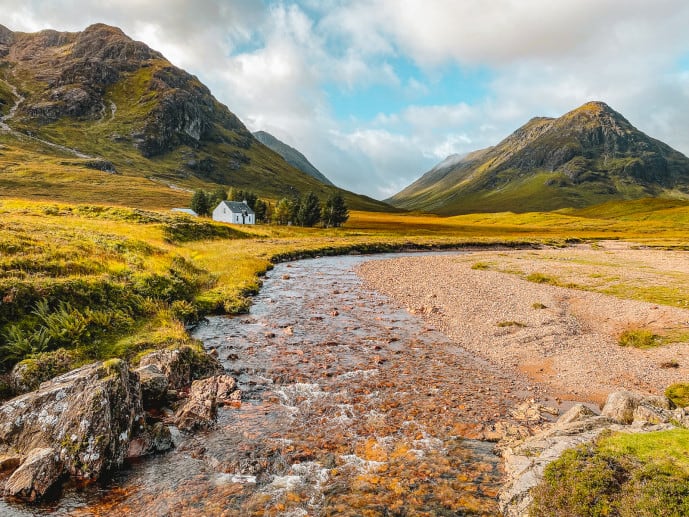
(556, 315)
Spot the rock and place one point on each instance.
(28, 374)
(200, 408)
(645, 414)
(156, 438)
(574, 414)
(86, 415)
(154, 386)
(9, 462)
(183, 365)
(620, 406)
(36, 476)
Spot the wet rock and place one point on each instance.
(86, 415)
(183, 365)
(199, 411)
(36, 476)
(154, 386)
(156, 438)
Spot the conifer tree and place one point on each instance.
(334, 211)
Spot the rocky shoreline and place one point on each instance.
(86, 423)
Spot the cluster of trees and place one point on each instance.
(304, 210)
(307, 210)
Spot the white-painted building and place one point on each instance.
(235, 212)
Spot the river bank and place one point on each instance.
(564, 339)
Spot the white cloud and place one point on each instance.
(269, 62)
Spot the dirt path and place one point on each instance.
(564, 339)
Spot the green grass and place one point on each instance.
(540, 278)
(644, 474)
(639, 338)
(538, 305)
(480, 266)
(511, 324)
(679, 394)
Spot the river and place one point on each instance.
(351, 406)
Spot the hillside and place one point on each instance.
(95, 116)
(291, 156)
(588, 156)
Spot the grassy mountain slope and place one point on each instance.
(94, 103)
(588, 156)
(291, 156)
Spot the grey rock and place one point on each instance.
(183, 365)
(86, 415)
(154, 385)
(620, 406)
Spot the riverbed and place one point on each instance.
(351, 406)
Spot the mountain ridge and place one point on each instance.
(589, 155)
(291, 155)
(100, 94)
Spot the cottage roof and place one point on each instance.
(237, 207)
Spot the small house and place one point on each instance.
(235, 212)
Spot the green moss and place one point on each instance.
(511, 324)
(538, 305)
(480, 265)
(540, 278)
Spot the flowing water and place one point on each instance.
(351, 406)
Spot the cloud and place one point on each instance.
(278, 64)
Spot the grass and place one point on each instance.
(540, 278)
(480, 266)
(538, 305)
(644, 474)
(679, 394)
(511, 324)
(639, 338)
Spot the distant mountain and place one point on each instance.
(590, 155)
(72, 103)
(291, 156)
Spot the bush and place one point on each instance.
(678, 394)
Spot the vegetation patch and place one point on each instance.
(678, 393)
(511, 324)
(540, 278)
(480, 266)
(538, 305)
(639, 338)
(645, 474)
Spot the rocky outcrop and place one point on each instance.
(87, 422)
(86, 417)
(624, 411)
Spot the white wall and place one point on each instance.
(223, 214)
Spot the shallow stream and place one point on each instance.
(351, 406)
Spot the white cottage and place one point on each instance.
(235, 212)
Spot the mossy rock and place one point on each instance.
(28, 374)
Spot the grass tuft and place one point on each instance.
(540, 278)
(639, 338)
(679, 394)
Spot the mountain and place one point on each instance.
(291, 156)
(97, 116)
(588, 156)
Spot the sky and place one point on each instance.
(376, 92)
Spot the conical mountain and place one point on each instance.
(76, 104)
(588, 156)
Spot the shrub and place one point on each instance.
(638, 338)
(538, 305)
(678, 393)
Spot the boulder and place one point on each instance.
(86, 416)
(620, 406)
(182, 365)
(199, 410)
(647, 414)
(36, 476)
(574, 414)
(154, 385)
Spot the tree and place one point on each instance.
(334, 211)
(309, 212)
(283, 211)
(236, 194)
(214, 198)
(200, 202)
(261, 210)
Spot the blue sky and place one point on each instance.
(376, 92)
